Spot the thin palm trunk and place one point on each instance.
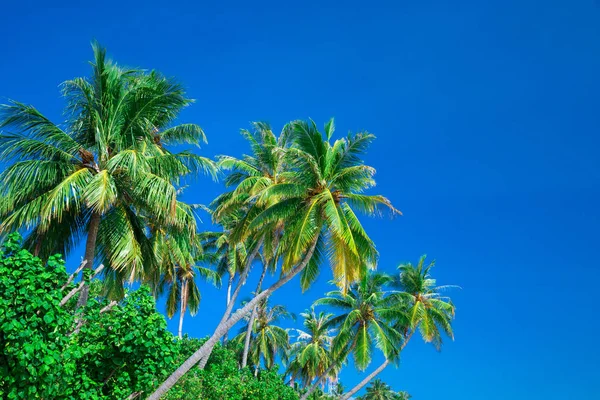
(362, 383)
(236, 292)
(331, 367)
(320, 379)
(38, 245)
(206, 349)
(228, 300)
(252, 318)
(90, 251)
(373, 374)
(311, 389)
(182, 307)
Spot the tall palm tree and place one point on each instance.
(323, 182)
(379, 390)
(427, 311)
(97, 174)
(251, 176)
(268, 339)
(367, 319)
(312, 356)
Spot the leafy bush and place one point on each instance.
(223, 379)
(117, 352)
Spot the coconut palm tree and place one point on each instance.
(251, 176)
(102, 173)
(379, 390)
(427, 311)
(312, 356)
(268, 340)
(367, 319)
(315, 205)
(181, 262)
(227, 257)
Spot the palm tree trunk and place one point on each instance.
(362, 383)
(373, 374)
(311, 389)
(205, 350)
(318, 381)
(236, 292)
(252, 318)
(38, 245)
(229, 285)
(342, 356)
(182, 307)
(90, 251)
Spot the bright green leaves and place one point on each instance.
(222, 378)
(110, 156)
(428, 311)
(118, 352)
(31, 322)
(184, 133)
(101, 192)
(49, 317)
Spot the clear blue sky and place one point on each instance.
(487, 118)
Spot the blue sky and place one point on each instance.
(487, 120)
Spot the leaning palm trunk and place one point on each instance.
(252, 318)
(362, 383)
(319, 380)
(373, 374)
(229, 285)
(236, 292)
(204, 351)
(325, 374)
(315, 385)
(90, 251)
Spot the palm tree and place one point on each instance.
(228, 257)
(426, 310)
(379, 390)
(314, 205)
(268, 339)
(251, 176)
(180, 259)
(312, 356)
(367, 319)
(102, 173)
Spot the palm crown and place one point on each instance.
(312, 348)
(366, 319)
(314, 200)
(106, 172)
(269, 340)
(379, 390)
(427, 309)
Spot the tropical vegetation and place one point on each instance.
(111, 178)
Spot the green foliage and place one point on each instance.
(117, 351)
(367, 319)
(32, 337)
(267, 340)
(311, 352)
(109, 162)
(223, 379)
(379, 390)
